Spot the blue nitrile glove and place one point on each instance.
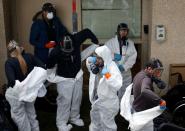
(162, 105)
(104, 71)
(117, 57)
(92, 59)
(121, 68)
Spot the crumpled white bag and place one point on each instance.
(31, 87)
(137, 120)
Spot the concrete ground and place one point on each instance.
(47, 115)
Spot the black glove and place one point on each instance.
(95, 41)
(160, 84)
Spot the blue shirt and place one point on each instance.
(13, 69)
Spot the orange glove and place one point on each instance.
(107, 75)
(50, 44)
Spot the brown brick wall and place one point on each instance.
(3, 53)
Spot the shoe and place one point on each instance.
(78, 122)
(69, 126)
(65, 127)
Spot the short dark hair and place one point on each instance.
(122, 25)
(48, 7)
(154, 63)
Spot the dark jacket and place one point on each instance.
(13, 70)
(144, 96)
(69, 65)
(39, 36)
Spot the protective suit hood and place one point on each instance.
(104, 52)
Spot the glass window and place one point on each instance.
(103, 16)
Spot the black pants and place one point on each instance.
(170, 127)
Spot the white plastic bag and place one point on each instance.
(28, 89)
(138, 121)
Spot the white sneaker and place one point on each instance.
(78, 122)
(65, 127)
(69, 126)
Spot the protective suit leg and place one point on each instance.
(95, 119)
(76, 102)
(107, 115)
(127, 79)
(64, 89)
(19, 115)
(30, 111)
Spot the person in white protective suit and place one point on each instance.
(105, 80)
(67, 56)
(124, 54)
(17, 67)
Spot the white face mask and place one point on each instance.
(50, 15)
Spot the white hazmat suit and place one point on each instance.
(105, 102)
(68, 99)
(69, 95)
(128, 59)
